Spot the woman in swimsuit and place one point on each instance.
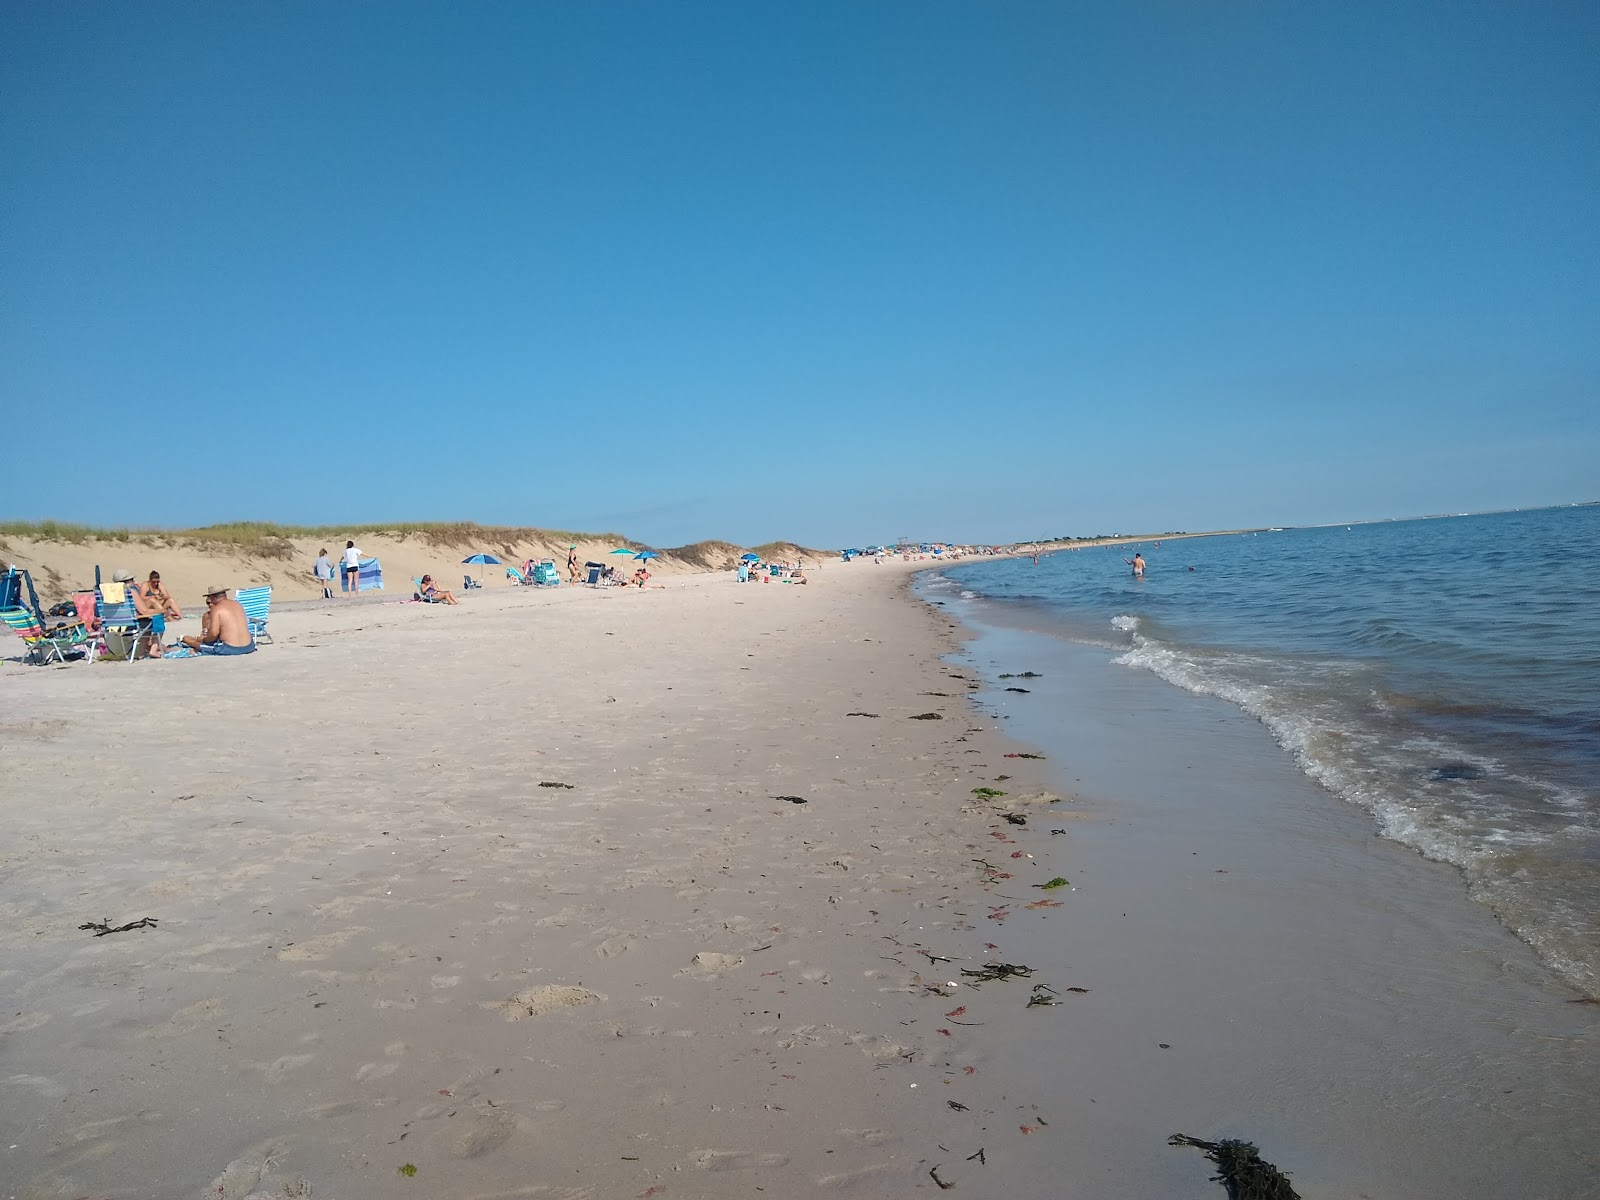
(431, 591)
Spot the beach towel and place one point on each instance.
(369, 575)
(113, 593)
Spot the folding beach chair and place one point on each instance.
(545, 575)
(416, 583)
(256, 602)
(513, 573)
(44, 647)
(114, 607)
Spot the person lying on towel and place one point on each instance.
(223, 629)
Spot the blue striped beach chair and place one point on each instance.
(256, 602)
(123, 618)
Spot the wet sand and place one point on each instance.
(1261, 965)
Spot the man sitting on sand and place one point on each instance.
(224, 629)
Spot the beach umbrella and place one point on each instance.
(480, 559)
(748, 557)
(646, 554)
(622, 550)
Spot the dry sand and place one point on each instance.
(383, 945)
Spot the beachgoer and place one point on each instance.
(641, 577)
(1137, 563)
(351, 562)
(572, 563)
(157, 595)
(147, 603)
(431, 591)
(323, 570)
(224, 629)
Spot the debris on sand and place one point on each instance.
(998, 970)
(101, 928)
(1015, 818)
(1241, 1170)
(1024, 675)
(1024, 691)
(861, 714)
(1059, 881)
(927, 717)
(986, 793)
(550, 783)
(1024, 754)
(791, 799)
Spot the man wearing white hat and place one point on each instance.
(224, 629)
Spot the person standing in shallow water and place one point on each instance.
(1137, 563)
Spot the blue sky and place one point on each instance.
(835, 272)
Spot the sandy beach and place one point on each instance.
(618, 893)
(516, 895)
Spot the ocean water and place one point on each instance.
(1442, 674)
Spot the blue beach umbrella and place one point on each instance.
(646, 554)
(748, 557)
(480, 559)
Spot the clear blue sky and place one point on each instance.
(836, 272)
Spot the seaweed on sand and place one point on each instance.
(998, 970)
(1241, 1169)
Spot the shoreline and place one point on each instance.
(1262, 965)
(382, 942)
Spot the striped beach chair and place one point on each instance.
(257, 603)
(114, 607)
(43, 646)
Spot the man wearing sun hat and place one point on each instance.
(224, 629)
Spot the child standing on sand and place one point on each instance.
(323, 570)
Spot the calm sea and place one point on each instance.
(1442, 674)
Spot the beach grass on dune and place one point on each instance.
(274, 540)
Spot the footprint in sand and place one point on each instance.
(535, 1002)
(488, 1131)
(880, 1048)
(317, 948)
(276, 1070)
(708, 960)
(367, 1072)
(737, 1160)
(248, 1172)
(869, 1137)
(614, 946)
(25, 1021)
(186, 1020)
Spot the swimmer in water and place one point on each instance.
(1137, 563)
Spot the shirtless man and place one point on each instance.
(224, 629)
(1137, 563)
